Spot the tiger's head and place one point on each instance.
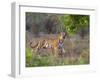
(62, 36)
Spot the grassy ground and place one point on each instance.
(76, 53)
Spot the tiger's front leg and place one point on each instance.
(55, 52)
(63, 50)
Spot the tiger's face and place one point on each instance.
(62, 36)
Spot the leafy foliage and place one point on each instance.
(49, 60)
(72, 23)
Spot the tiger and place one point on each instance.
(50, 43)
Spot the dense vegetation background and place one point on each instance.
(76, 43)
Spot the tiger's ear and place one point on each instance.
(63, 34)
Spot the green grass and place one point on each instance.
(34, 59)
(28, 57)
